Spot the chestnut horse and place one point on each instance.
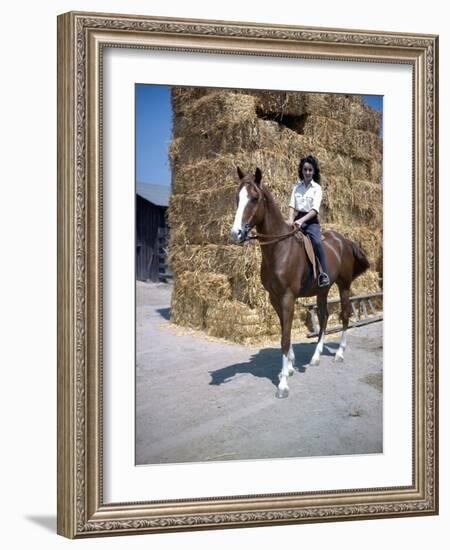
(287, 274)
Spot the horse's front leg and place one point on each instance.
(290, 355)
(322, 310)
(286, 314)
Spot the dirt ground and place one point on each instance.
(199, 399)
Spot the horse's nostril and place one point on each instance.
(235, 233)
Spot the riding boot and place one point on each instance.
(312, 229)
(323, 278)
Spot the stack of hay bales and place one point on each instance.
(217, 285)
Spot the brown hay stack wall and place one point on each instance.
(217, 285)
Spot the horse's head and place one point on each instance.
(250, 205)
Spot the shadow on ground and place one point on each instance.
(46, 522)
(165, 313)
(266, 363)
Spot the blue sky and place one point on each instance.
(154, 131)
(375, 101)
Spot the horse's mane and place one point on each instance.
(268, 195)
(271, 201)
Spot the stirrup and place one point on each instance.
(323, 280)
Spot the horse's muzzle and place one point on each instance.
(241, 235)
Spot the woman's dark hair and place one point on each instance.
(314, 163)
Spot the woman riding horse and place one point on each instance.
(304, 209)
(286, 272)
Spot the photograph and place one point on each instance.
(224, 275)
(246, 274)
(259, 274)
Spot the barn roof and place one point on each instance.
(154, 192)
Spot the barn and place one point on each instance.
(151, 231)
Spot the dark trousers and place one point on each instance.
(312, 229)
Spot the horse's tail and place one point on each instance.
(360, 261)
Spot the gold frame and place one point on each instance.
(81, 37)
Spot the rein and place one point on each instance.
(275, 238)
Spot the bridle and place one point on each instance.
(273, 238)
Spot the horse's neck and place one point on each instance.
(273, 222)
(273, 225)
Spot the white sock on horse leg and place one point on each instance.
(319, 348)
(291, 360)
(283, 388)
(291, 354)
(320, 343)
(287, 365)
(342, 345)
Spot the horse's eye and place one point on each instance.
(254, 200)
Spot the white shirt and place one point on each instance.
(305, 198)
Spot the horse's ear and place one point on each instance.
(258, 176)
(240, 173)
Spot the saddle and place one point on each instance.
(302, 238)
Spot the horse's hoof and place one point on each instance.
(338, 358)
(282, 393)
(314, 362)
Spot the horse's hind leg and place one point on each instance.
(344, 291)
(322, 311)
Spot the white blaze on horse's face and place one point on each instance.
(236, 230)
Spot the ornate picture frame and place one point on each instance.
(82, 39)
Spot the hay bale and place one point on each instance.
(220, 171)
(212, 113)
(182, 97)
(283, 106)
(367, 202)
(334, 164)
(204, 217)
(185, 308)
(279, 106)
(366, 283)
(351, 111)
(241, 264)
(192, 295)
(341, 138)
(208, 258)
(207, 287)
(347, 109)
(220, 317)
(375, 171)
(365, 145)
(205, 206)
(253, 325)
(239, 136)
(349, 202)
